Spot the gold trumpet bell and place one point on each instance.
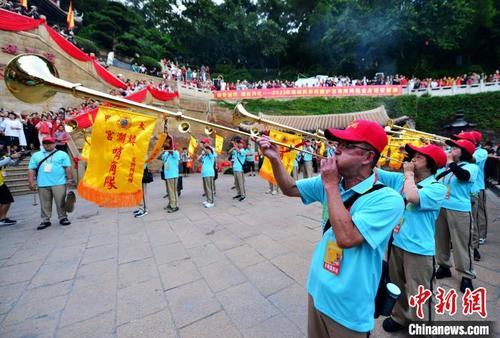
(184, 127)
(26, 78)
(209, 130)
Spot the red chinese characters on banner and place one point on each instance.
(388, 90)
(419, 299)
(474, 302)
(447, 301)
(110, 178)
(132, 170)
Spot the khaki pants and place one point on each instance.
(172, 192)
(481, 215)
(307, 169)
(209, 188)
(295, 173)
(455, 227)
(408, 270)
(319, 325)
(46, 194)
(239, 182)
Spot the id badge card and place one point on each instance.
(47, 168)
(398, 227)
(333, 257)
(448, 192)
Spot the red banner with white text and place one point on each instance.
(276, 93)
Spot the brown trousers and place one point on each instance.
(455, 227)
(173, 197)
(307, 169)
(239, 182)
(209, 188)
(480, 218)
(408, 270)
(46, 194)
(321, 326)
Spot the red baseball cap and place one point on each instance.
(469, 136)
(434, 152)
(205, 140)
(477, 135)
(463, 144)
(48, 139)
(360, 131)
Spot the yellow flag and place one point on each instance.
(24, 3)
(115, 167)
(322, 148)
(192, 145)
(287, 157)
(219, 142)
(86, 148)
(70, 18)
(158, 147)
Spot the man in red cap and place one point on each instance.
(361, 213)
(208, 160)
(238, 157)
(411, 258)
(479, 214)
(454, 223)
(52, 170)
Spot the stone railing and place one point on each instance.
(481, 87)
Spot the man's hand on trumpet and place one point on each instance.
(268, 149)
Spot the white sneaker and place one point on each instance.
(274, 193)
(138, 211)
(141, 214)
(204, 202)
(209, 205)
(268, 192)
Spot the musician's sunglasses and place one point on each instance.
(349, 146)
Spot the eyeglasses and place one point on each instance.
(349, 146)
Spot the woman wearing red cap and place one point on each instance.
(346, 266)
(454, 223)
(411, 258)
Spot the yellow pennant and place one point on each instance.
(86, 148)
(287, 157)
(114, 171)
(158, 147)
(192, 145)
(219, 142)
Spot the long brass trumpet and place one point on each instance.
(241, 115)
(428, 136)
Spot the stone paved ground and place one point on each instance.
(238, 269)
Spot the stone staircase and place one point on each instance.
(17, 178)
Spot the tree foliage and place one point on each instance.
(355, 37)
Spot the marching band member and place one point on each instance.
(411, 260)
(170, 158)
(295, 168)
(454, 223)
(330, 149)
(238, 156)
(307, 166)
(347, 263)
(208, 158)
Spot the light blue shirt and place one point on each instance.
(308, 157)
(416, 231)
(330, 152)
(458, 192)
(171, 162)
(297, 159)
(348, 298)
(52, 171)
(481, 155)
(208, 162)
(239, 157)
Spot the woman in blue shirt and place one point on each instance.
(170, 158)
(207, 159)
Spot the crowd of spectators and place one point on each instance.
(17, 7)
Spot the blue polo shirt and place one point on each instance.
(208, 162)
(481, 155)
(330, 152)
(306, 156)
(239, 157)
(458, 192)
(57, 175)
(348, 298)
(416, 231)
(171, 164)
(297, 159)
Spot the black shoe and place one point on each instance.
(242, 198)
(477, 255)
(443, 273)
(466, 283)
(64, 221)
(171, 210)
(236, 197)
(7, 221)
(390, 325)
(165, 196)
(44, 225)
(232, 188)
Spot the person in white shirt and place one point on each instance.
(14, 133)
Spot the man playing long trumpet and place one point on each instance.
(238, 156)
(347, 263)
(207, 159)
(170, 158)
(411, 259)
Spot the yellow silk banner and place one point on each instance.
(86, 148)
(287, 157)
(116, 161)
(158, 147)
(192, 145)
(219, 142)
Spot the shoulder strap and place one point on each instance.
(350, 201)
(446, 172)
(45, 159)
